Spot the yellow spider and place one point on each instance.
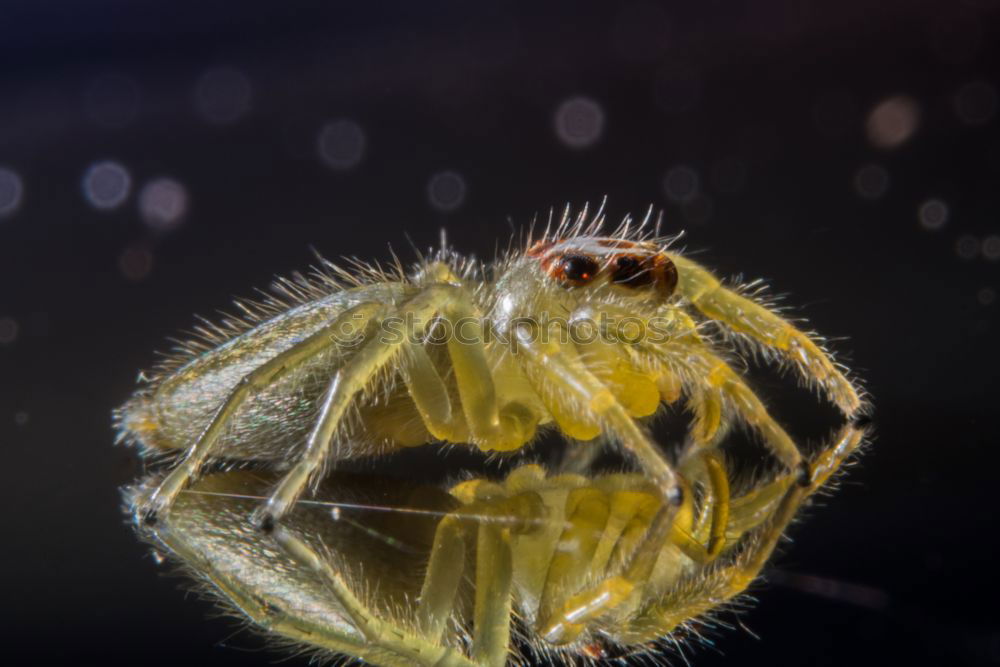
(581, 332)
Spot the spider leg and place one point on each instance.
(196, 455)
(286, 584)
(733, 579)
(258, 610)
(492, 521)
(445, 571)
(494, 577)
(605, 528)
(682, 358)
(559, 365)
(403, 645)
(718, 385)
(430, 396)
(745, 316)
(485, 419)
(699, 548)
(569, 621)
(375, 354)
(590, 399)
(490, 425)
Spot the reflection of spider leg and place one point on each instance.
(717, 502)
(350, 627)
(163, 497)
(770, 330)
(491, 523)
(384, 642)
(566, 623)
(732, 580)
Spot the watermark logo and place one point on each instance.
(627, 330)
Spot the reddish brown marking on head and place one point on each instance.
(539, 248)
(634, 265)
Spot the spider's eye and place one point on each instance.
(667, 276)
(631, 272)
(578, 269)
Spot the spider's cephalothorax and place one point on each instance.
(580, 331)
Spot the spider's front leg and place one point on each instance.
(773, 332)
(579, 392)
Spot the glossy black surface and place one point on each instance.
(760, 106)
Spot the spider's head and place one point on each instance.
(628, 268)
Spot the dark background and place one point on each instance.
(802, 141)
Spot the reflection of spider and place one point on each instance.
(582, 332)
(281, 384)
(551, 565)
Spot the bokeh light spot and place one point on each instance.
(976, 102)
(986, 296)
(579, 122)
(341, 144)
(11, 191)
(681, 183)
(933, 214)
(21, 418)
(446, 191)
(163, 202)
(112, 100)
(991, 247)
(967, 247)
(223, 95)
(106, 185)
(893, 121)
(871, 181)
(8, 330)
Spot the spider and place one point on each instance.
(535, 567)
(580, 332)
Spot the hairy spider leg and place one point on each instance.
(642, 541)
(489, 425)
(407, 646)
(770, 330)
(560, 366)
(372, 639)
(732, 580)
(196, 455)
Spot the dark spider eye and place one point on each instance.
(631, 272)
(578, 269)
